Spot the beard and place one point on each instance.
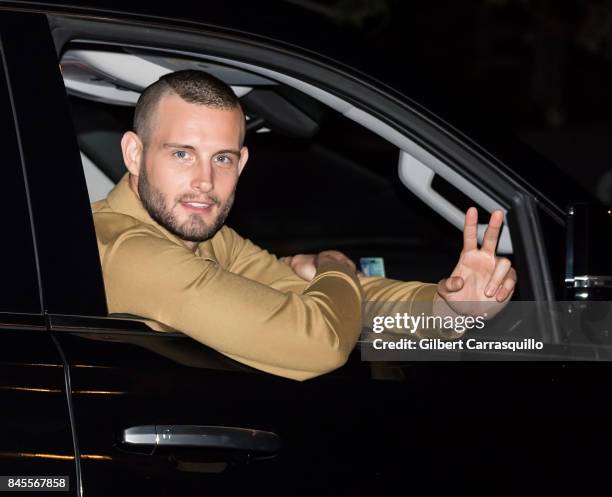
(195, 228)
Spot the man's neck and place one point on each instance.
(133, 181)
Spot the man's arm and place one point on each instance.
(480, 284)
(390, 296)
(243, 257)
(294, 335)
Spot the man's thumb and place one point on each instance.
(450, 285)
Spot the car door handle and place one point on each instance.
(205, 437)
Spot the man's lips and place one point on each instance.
(192, 205)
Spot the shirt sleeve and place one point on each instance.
(380, 295)
(386, 297)
(251, 261)
(289, 334)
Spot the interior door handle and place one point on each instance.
(418, 177)
(205, 437)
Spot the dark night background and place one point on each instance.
(540, 69)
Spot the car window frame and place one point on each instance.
(397, 114)
(356, 114)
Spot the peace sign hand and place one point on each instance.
(481, 282)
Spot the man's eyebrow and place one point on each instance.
(191, 147)
(229, 151)
(177, 145)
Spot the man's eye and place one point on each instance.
(181, 154)
(224, 159)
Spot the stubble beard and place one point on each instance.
(195, 228)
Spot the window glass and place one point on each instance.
(19, 290)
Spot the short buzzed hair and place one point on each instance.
(197, 87)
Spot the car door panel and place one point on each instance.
(37, 437)
(123, 379)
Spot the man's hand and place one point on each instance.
(481, 282)
(306, 265)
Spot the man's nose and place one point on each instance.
(203, 179)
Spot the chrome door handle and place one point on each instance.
(206, 437)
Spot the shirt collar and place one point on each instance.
(123, 199)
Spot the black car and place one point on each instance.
(338, 160)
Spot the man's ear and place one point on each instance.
(244, 157)
(131, 148)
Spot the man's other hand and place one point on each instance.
(306, 265)
(481, 282)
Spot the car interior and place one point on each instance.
(322, 174)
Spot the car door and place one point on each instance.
(37, 437)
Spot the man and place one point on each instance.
(167, 256)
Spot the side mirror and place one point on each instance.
(588, 255)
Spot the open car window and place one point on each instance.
(321, 174)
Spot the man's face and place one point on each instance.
(190, 166)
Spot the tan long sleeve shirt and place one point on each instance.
(232, 295)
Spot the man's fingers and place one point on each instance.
(502, 267)
(506, 290)
(492, 234)
(450, 285)
(470, 229)
(352, 264)
(344, 258)
(304, 266)
(336, 256)
(339, 256)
